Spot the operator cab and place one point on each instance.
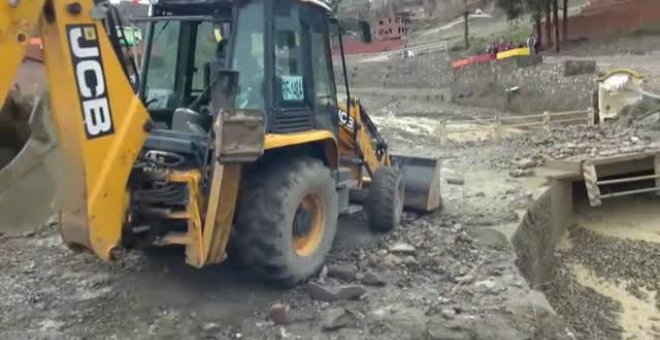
(279, 49)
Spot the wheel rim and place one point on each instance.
(308, 225)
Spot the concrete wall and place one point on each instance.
(562, 86)
(431, 70)
(540, 231)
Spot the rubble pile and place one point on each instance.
(426, 280)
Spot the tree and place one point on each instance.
(466, 20)
(565, 22)
(515, 9)
(555, 19)
(468, 7)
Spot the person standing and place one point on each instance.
(532, 44)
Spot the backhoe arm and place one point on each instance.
(359, 138)
(100, 122)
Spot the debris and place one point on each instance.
(371, 278)
(456, 180)
(525, 163)
(516, 173)
(488, 284)
(448, 314)
(465, 279)
(390, 261)
(280, 314)
(330, 294)
(283, 333)
(336, 318)
(345, 271)
(402, 248)
(212, 327)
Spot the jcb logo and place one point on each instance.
(90, 78)
(345, 119)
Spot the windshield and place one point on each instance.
(248, 56)
(185, 54)
(162, 67)
(181, 54)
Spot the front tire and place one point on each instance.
(287, 220)
(385, 199)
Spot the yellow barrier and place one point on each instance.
(516, 52)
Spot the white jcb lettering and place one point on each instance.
(97, 116)
(85, 89)
(81, 52)
(345, 119)
(92, 87)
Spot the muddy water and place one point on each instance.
(639, 318)
(455, 132)
(627, 221)
(624, 219)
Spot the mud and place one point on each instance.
(454, 274)
(460, 280)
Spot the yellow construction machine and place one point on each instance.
(228, 139)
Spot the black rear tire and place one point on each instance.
(385, 199)
(271, 199)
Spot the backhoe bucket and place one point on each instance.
(26, 146)
(422, 182)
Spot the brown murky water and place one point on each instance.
(628, 220)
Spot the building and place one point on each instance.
(604, 18)
(393, 27)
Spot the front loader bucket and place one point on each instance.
(26, 184)
(422, 182)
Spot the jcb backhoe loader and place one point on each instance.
(231, 141)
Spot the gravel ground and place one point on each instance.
(640, 266)
(443, 276)
(591, 315)
(624, 263)
(448, 275)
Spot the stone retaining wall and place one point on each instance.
(564, 86)
(539, 86)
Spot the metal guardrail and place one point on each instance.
(498, 124)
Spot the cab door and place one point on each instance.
(303, 91)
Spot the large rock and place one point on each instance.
(280, 314)
(336, 318)
(401, 248)
(329, 294)
(372, 278)
(489, 237)
(343, 271)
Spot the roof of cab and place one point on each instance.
(318, 3)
